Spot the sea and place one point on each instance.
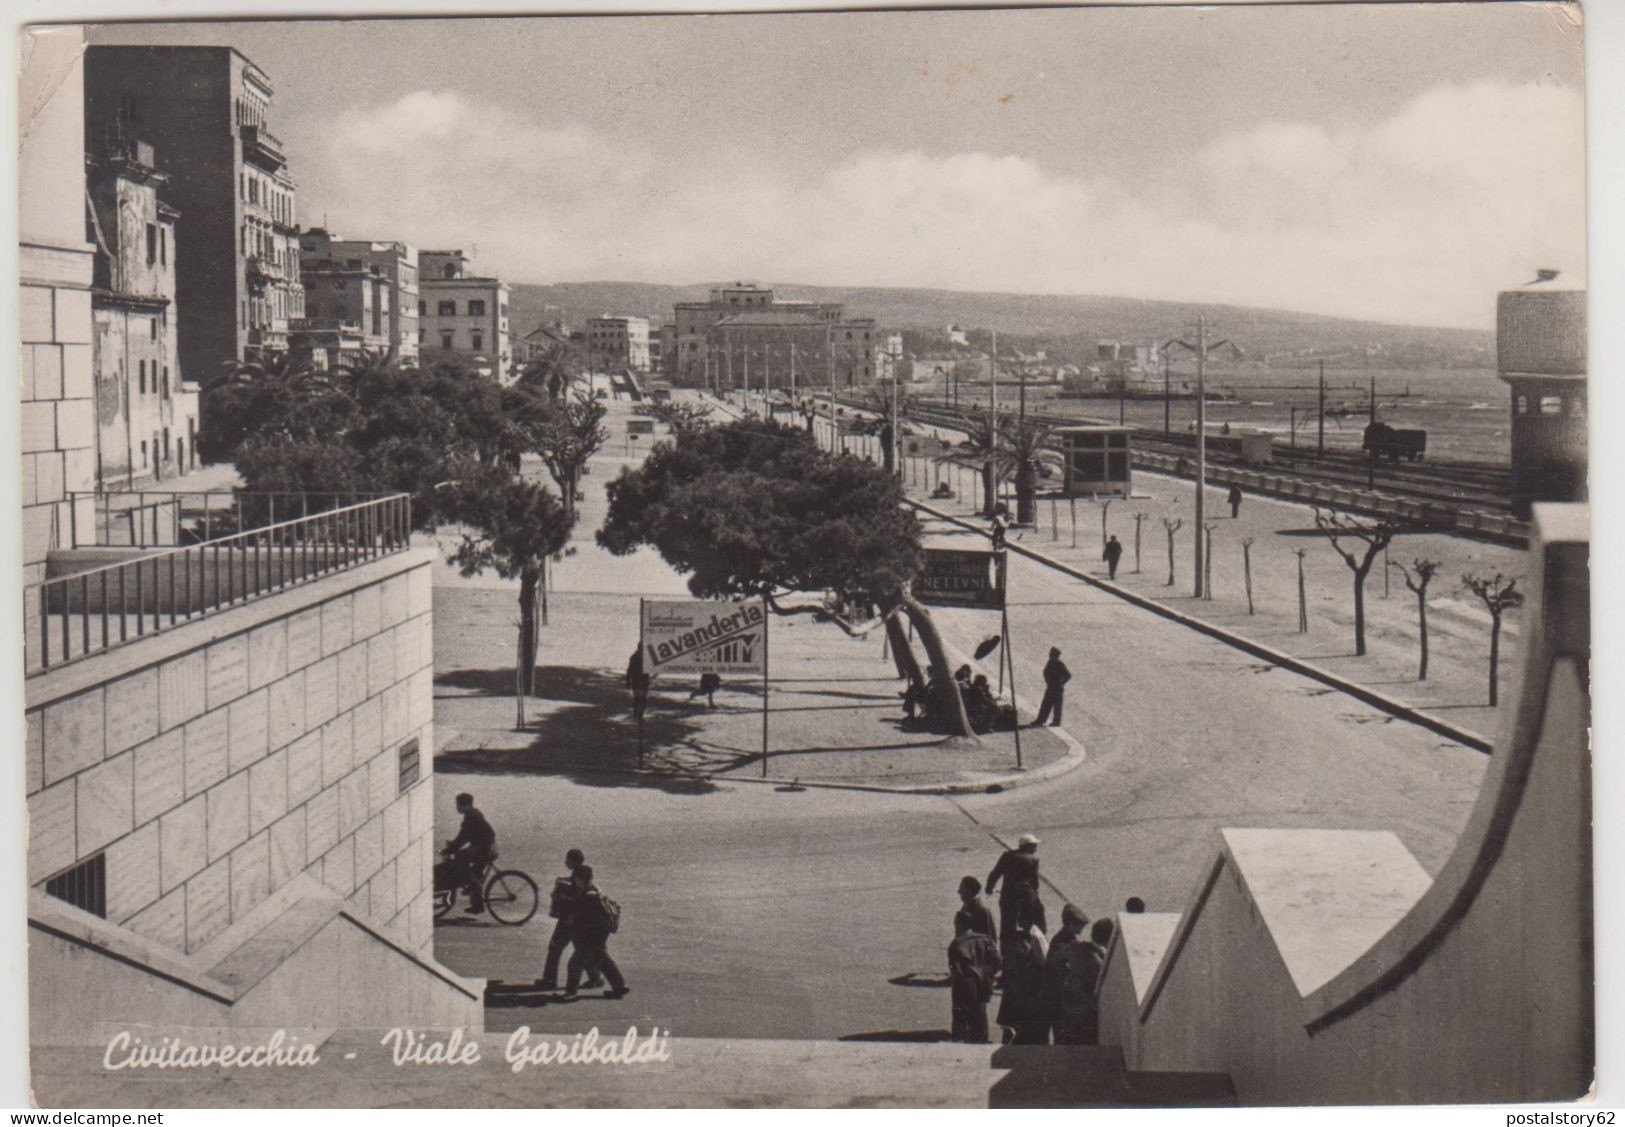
(1465, 411)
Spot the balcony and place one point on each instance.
(261, 271)
(143, 563)
(262, 147)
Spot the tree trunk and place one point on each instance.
(990, 491)
(1026, 488)
(952, 705)
(1422, 617)
(888, 448)
(902, 655)
(1170, 557)
(1495, 657)
(529, 585)
(1359, 614)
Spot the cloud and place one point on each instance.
(1421, 216)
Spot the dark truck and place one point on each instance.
(1390, 442)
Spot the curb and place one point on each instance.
(1383, 703)
(1074, 758)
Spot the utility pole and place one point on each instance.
(1167, 398)
(993, 412)
(1371, 461)
(1320, 446)
(1201, 441)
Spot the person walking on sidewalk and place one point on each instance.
(638, 681)
(998, 530)
(1019, 905)
(596, 917)
(562, 907)
(973, 961)
(972, 912)
(1113, 553)
(1056, 675)
(1235, 501)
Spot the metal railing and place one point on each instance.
(100, 608)
(171, 518)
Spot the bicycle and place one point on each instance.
(510, 895)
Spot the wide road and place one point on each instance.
(764, 912)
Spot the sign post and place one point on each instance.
(636, 686)
(764, 686)
(957, 577)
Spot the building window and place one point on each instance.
(143, 453)
(479, 339)
(152, 328)
(166, 381)
(423, 309)
(1577, 407)
(152, 243)
(166, 444)
(445, 339)
(476, 309)
(1520, 405)
(448, 309)
(410, 769)
(143, 377)
(1551, 405)
(163, 246)
(84, 886)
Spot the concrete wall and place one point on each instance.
(54, 370)
(1322, 967)
(216, 762)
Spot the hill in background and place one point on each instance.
(1067, 326)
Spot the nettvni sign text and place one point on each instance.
(959, 578)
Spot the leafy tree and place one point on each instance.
(755, 509)
(512, 526)
(281, 395)
(566, 435)
(679, 415)
(1499, 595)
(1372, 536)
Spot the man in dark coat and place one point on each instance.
(638, 681)
(973, 914)
(467, 854)
(562, 908)
(1235, 501)
(1113, 553)
(1056, 675)
(1019, 906)
(1022, 1008)
(591, 921)
(1072, 980)
(973, 960)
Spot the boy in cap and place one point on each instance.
(973, 913)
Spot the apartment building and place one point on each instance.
(712, 341)
(206, 110)
(462, 315)
(615, 344)
(372, 285)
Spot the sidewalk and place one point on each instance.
(1459, 627)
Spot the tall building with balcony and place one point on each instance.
(207, 111)
(462, 315)
(229, 750)
(370, 283)
(616, 344)
(146, 415)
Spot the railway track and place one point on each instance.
(1468, 499)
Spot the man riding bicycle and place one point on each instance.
(467, 854)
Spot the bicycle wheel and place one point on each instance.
(510, 897)
(443, 901)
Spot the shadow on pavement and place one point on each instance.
(914, 1036)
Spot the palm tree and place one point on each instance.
(983, 450)
(555, 371)
(1024, 449)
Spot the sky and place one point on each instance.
(1391, 162)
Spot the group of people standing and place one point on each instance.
(1047, 986)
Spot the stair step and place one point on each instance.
(1094, 1076)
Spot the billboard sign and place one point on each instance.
(640, 426)
(955, 577)
(704, 637)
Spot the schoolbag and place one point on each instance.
(612, 913)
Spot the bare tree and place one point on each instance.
(1139, 519)
(1499, 595)
(1417, 578)
(1173, 526)
(1372, 536)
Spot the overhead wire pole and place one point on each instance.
(1201, 348)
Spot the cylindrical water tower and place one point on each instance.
(1541, 347)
